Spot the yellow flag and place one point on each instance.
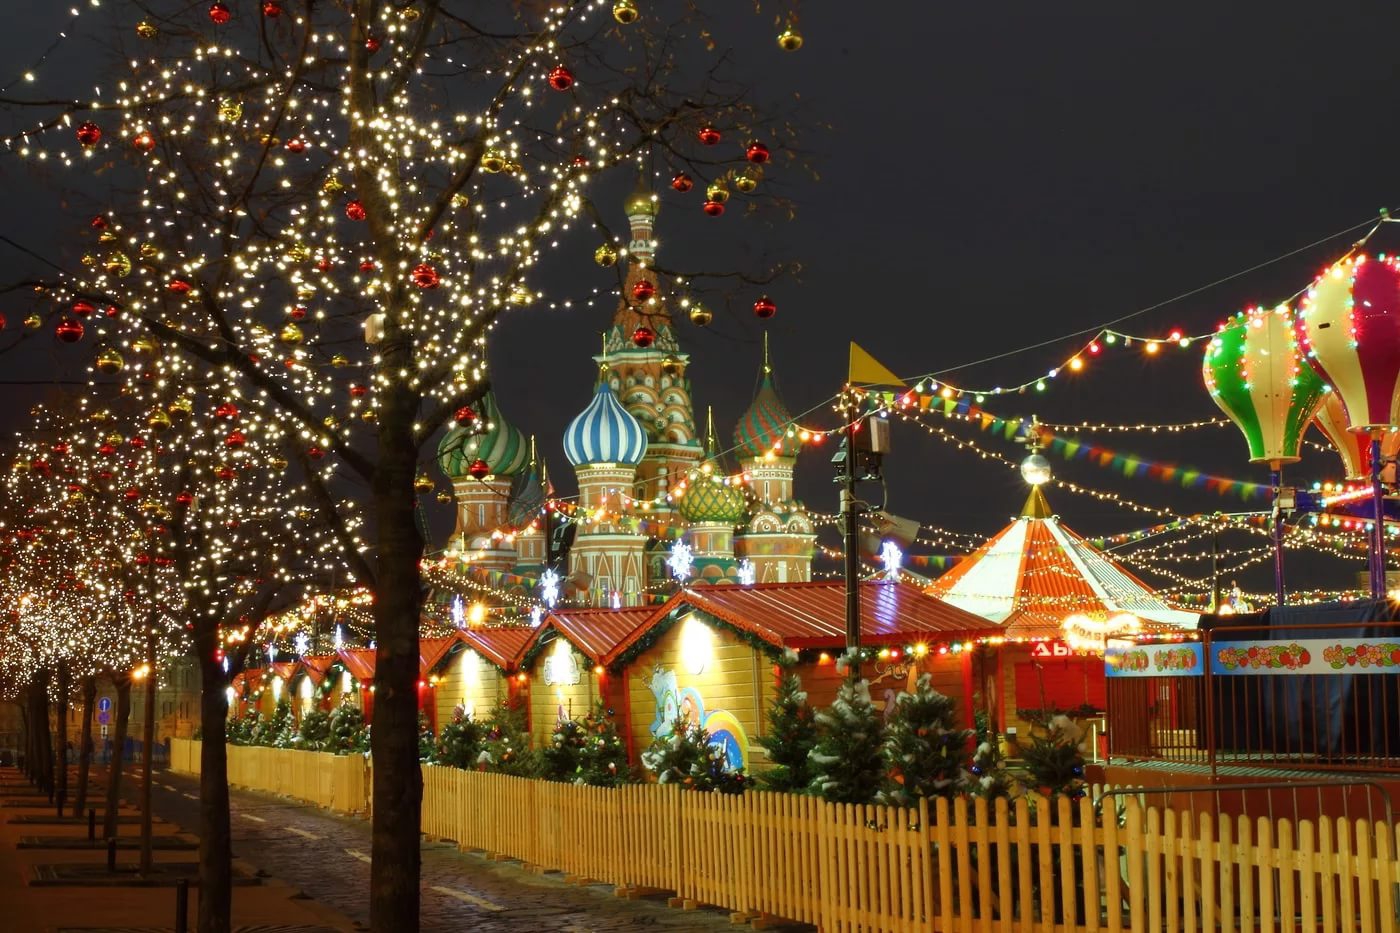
(866, 370)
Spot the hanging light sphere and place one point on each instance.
(109, 362)
(89, 134)
(561, 78)
(625, 12)
(701, 316)
(789, 40)
(479, 469)
(757, 153)
(682, 182)
(643, 290)
(425, 276)
(1035, 470)
(643, 336)
(708, 136)
(219, 14)
(355, 209)
(68, 330)
(713, 208)
(272, 9)
(764, 308)
(605, 256)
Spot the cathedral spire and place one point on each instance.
(641, 218)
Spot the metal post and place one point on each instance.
(111, 853)
(60, 801)
(92, 825)
(1215, 568)
(1276, 532)
(851, 513)
(182, 905)
(1378, 527)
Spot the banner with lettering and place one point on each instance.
(1125, 659)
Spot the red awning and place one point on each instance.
(359, 662)
(431, 651)
(316, 666)
(500, 646)
(595, 632)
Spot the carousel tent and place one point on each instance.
(1035, 573)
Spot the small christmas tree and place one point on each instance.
(459, 741)
(507, 746)
(277, 730)
(315, 729)
(847, 764)
(925, 750)
(559, 760)
(602, 759)
(349, 733)
(687, 758)
(990, 778)
(1055, 761)
(792, 732)
(426, 739)
(240, 730)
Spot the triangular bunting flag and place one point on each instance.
(864, 369)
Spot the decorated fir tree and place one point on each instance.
(559, 760)
(925, 750)
(315, 729)
(278, 729)
(847, 764)
(1055, 761)
(507, 744)
(459, 742)
(990, 778)
(792, 732)
(687, 758)
(349, 732)
(602, 759)
(426, 739)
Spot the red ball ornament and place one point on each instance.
(764, 308)
(372, 43)
(296, 144)
(714, 208)
(144, 141)
(137, 443)
(757, 153)
(367, 265)
(315, 453)
(98, 222)
(132, 493)
(219, 13)
(297, 314)
(561, 78)
(425, 276)
(464, 415)
(110, 311)
(479, 469)
(178, 286)
(226, 410)
(226, 473)
(644, 336)
(68, 330)
(106, 449)
(89, 134)
(358, 391)
(355, 210)
(682, 182)
(235, 439)
(323, 264)
(142, 560)
(184, 498)
(708, 135)
(643, 290)
(82, 308)
(59, 448)
(272, 9)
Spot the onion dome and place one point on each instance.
(502, 446)
(764, 423)
(711, 499)
(605, 432)
(642, 201)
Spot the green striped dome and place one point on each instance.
(765, 423)
(503, 447)
(709, 499)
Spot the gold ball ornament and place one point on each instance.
(790, 40)
(114, 439)
(671, 366)
(605, 256)
(147, 29)
(493, 162)
(291, 334)
(717, 192)
(158, 421)
(118, 264)
(298, 252)
(409, 14)
(230, 109)
(145, 344)
(367, 415)
(747, 180)
(106, 236)
(626, 12)
(460, 201)
(181, 409)
(423, 483)
(331, 186)
(444, 497)
(109, 362)
(277, 463)
(701, 316)
(149, 251)
(340, 361)
(89, 259)
(33, 322)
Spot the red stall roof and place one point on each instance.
(431, 651)
(813, 615)
(359, 662)
(501, 646)
(316, 666)
(595, 632)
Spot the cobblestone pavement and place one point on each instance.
(327, 857)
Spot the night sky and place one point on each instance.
(994, 176)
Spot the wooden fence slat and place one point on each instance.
(1001, 813)
(1209, 860)
(1024, 863)
(1365, 901)
(985, 863)
(1133, 842)
(1155, 893)
(1112, 868)
(1285, 858)
(1386, 878)
(1187, 849)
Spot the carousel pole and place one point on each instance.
(1276, 530)
(1378, 526)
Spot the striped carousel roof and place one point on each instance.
(502, 446)
(1035, 573)
(765, 421)
(605, 432)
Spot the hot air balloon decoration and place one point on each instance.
(1353, 447)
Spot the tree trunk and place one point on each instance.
(27, 765)
(43, 738)
(398, 782)
(85, 748)
(215, 833)
(64, 686)
(148, 738)
(114, 767)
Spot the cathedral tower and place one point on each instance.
(482, 503)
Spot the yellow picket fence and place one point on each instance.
(337, 782)
(1057, 866)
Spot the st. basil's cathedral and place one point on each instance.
(647, 479)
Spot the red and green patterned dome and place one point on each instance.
(765, 423)
(502, 446)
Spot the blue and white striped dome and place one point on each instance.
(605, 432)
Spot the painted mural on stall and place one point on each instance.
(675, 702)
